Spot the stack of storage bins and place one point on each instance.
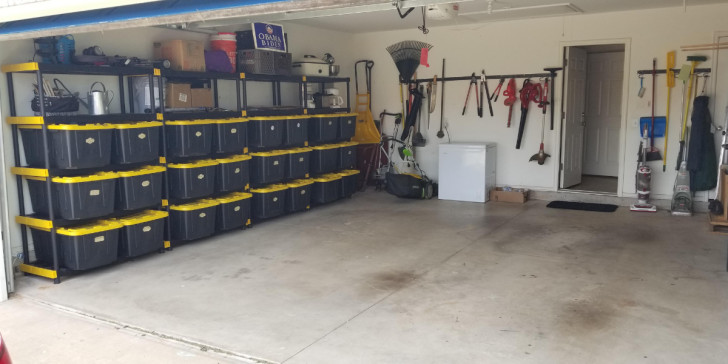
(209, 172)
(105, 185)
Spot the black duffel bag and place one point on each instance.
(409, 186)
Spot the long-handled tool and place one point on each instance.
(484, 93)
(510, 93)
(716, 206)
(694, 60)
(418, 140)
(543, 103)
(440, 133)
(552, 71)
(473, 85)
(652, 153)
(494, 95)
(670, 84)
(528, 93)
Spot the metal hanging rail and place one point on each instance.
(494, 77)
(676, 70)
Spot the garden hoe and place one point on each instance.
(541, 156)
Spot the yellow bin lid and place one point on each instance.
(231, 121)
(91, 228)
(195, 164)
(348, 144)
(300, 183)
(143, 124)
(272, 153)
(348, 172)
(142, 217)
(89, 178)
(79, 127)
(142, 171)
(270, 189)
(233, 197)
(191, 122)
(327, 178)
(299, 150)
(326, 147)
(234, 158)
(197, 205)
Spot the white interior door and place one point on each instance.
(604, 73)
(572, 134)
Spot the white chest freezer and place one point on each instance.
(466, 171)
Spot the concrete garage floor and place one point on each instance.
(383, 280)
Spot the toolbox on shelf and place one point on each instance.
(193, 220)
(139, 188)
(326, 188)
(347, 155)
(298, 163)
(142, 233)
(296, 133)
(191, 180)
(230, 136)
(269, 201)
(233, 211)
(233, 173)
(349, 180)
(189, 138)
(323, 128)
(347, 126)
(136, 143)
(265, 132)
(69, 146)
(268, 167)
(82, 247)
(325, 158)
(75, 198)
(298, 195)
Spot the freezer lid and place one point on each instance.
(460, 145)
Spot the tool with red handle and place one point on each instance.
(529, 92)
(473, 84)
(510, 93)
(543, 103)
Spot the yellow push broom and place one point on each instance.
(670, 84)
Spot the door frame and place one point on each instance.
(625, 103)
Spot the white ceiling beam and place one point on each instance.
(39, 9)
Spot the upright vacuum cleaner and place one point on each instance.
(643, 179)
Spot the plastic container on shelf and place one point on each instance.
(326, 188)
(268, 167)
(230, 136)
(191, 180)
(347, 155)
(323, 128)
(69, 146)
(233, 211)
(194, 220)
(298, 163)
(139, 188)
(187, 138)
(296, 131)
(136, 142)
(233, 173)
(81, 247)
(265, 132)
(142, 233)
(227, 43)
(347, 126)
(75, 198)
(269, 201)
(324, 158)
(298, 195)
(349, 180)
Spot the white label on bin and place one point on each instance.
(348, 122)
(146, 183)
(275, 199)
(303, 192)
(147, 229)
(275, 163)
(330, 122)
(142, 136)
(94, 192)
(301, 159)
(237, 208)
(200, 176)
(272, 127)
(202, 214)
(233, 131)
(237, 170)
(99, 239)
(90, 140)
(298, 125)
(182, 97)
(198, 134)
(349, 152)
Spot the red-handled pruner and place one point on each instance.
(510, 92)
(494, 95)
(473, 84)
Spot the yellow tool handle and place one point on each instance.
(667, 123)
(670, 72)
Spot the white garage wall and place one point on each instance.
(527, 46)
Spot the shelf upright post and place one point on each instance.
(348, 95)
(167, 224)
(304, 89)
(245, 90)
(130, 84)
(237, 91)
(18, 179)
(278, 93)
(215, 92)
(122, 100)
(274, 85)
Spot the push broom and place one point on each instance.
(670, 84)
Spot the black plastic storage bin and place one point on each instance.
(326, 188)
(349, 180)
(323, 128)
(269, 201)
(268, 167)
(324, 159)
(265, 133)
(136, 143)
(347, 155)
(191, 180)
(233, 211)
(75, 198)
(230, 136)
(193, 220)
(82, 247)
(189, 138)
(139, 188)
(233, 173)
(296, 134)
(142, 233)
(298, 163)
(69, 146)
(347, 126)
(298, 195)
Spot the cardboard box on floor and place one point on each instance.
(183, 55)
(177, 96)
(517, 195)
(202, 97)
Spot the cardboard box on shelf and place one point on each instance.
(517, 195)
(184, 55)
(202, 97)
(177, 95)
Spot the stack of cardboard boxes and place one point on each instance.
(184, 55)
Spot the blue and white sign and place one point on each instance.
(269, 37)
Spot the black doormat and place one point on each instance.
(583, 206)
